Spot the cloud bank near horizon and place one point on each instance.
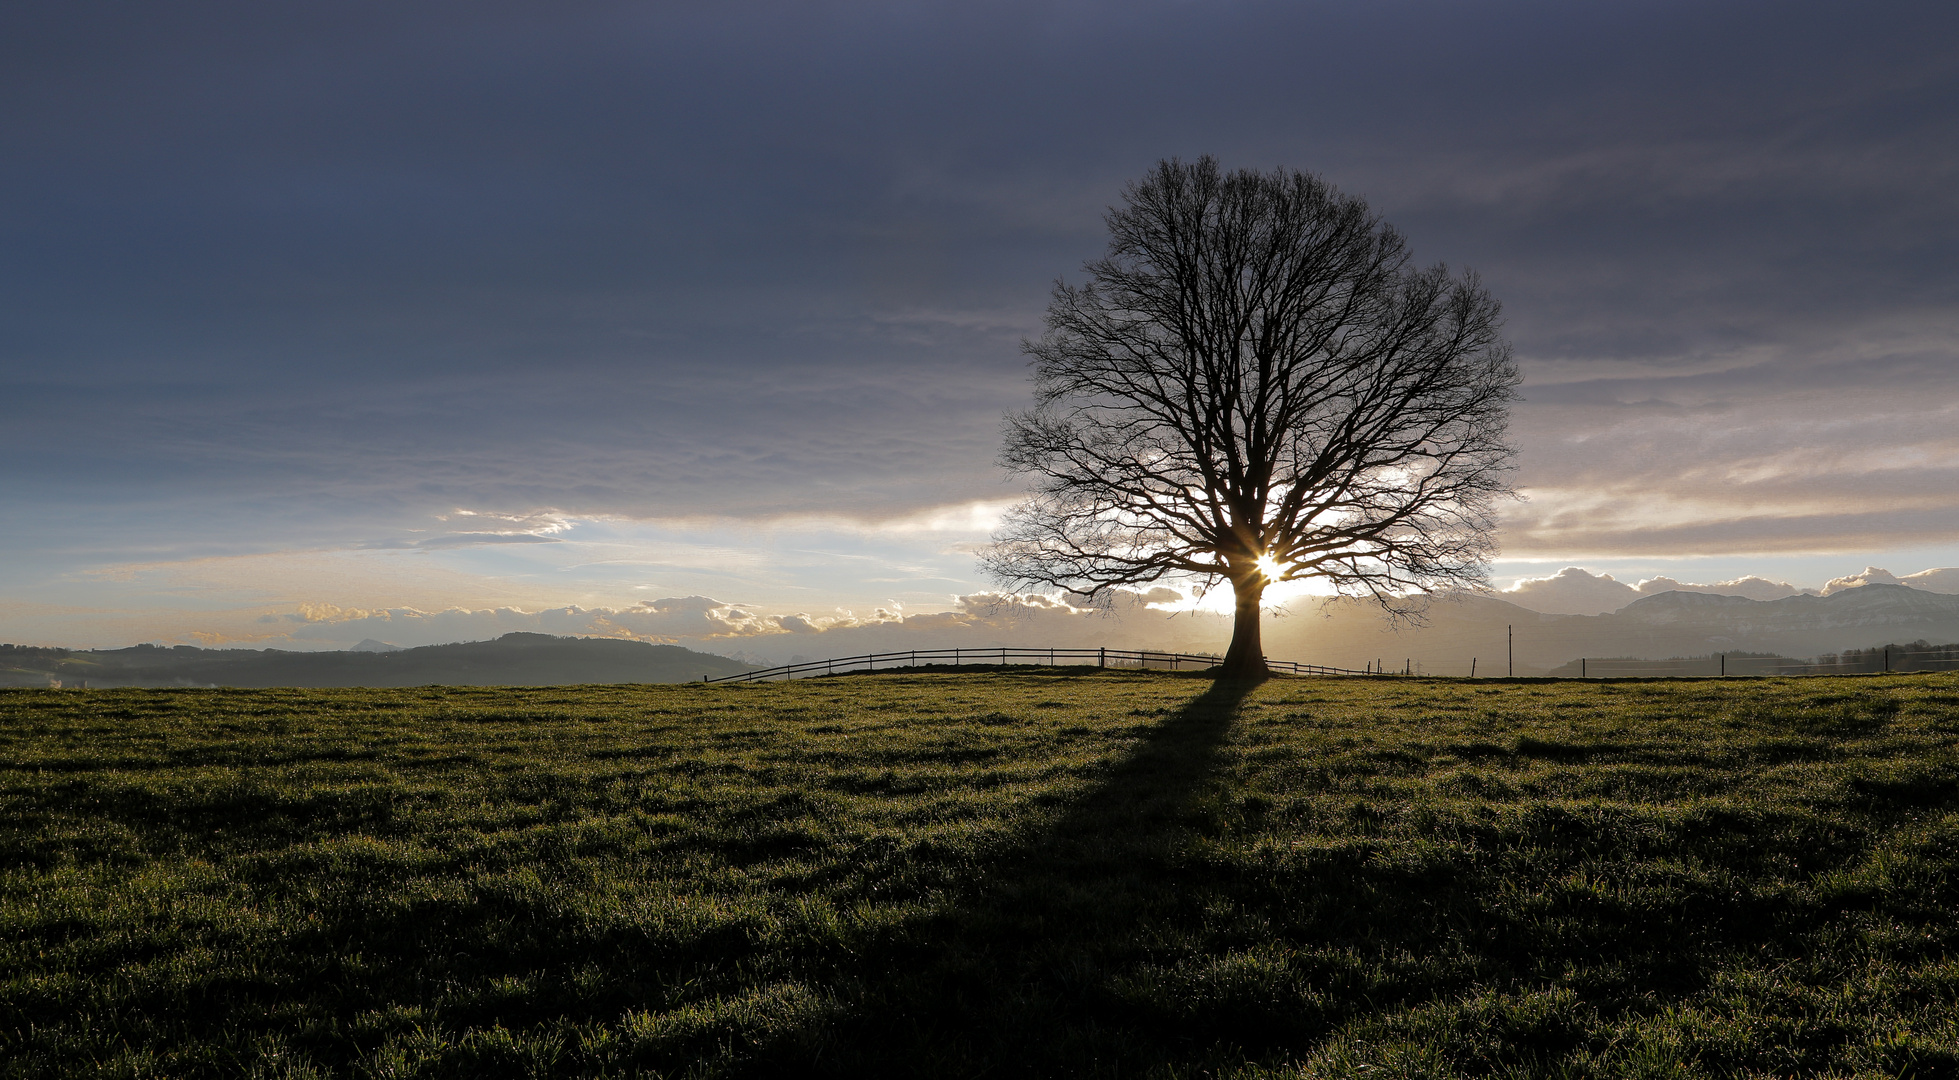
(1576, 591)
(980, 620)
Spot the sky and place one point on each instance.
(425, 321)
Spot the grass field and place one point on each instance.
(1030, 873)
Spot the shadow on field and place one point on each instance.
(1036, 972)
(1767, 891)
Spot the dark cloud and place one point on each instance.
(274, 275)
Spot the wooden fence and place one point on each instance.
(1873, 661)
(1008, 655)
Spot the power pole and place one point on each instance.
(1510, 646)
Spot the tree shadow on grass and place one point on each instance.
(1153, 926)
(1039, 970)
(1026, 972)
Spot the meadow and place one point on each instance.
(1015, 873)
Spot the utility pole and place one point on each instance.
(1510, 646)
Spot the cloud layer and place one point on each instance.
(287, 279)
(975, 621)
(1943, 579)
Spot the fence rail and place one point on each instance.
(1877, 661)
(1137, 658)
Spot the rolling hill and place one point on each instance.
(517, 659)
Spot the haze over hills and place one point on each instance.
(517, 659)
(1344, 633)
(1666, 625)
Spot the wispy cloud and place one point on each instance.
(1825, 452)
(533, 527)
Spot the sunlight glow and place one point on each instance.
(1270, 567)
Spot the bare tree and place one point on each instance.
(1255, 386)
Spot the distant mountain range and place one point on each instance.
(1666, 625)
(1458, 631)
(511, 660)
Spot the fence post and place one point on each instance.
(1581, 667)
(1472, 667)
(1102, 657)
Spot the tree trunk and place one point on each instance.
(1246, 657)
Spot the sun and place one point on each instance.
(1270, 567)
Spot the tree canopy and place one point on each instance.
(1255, 385)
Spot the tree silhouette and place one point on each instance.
(1255, 386)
